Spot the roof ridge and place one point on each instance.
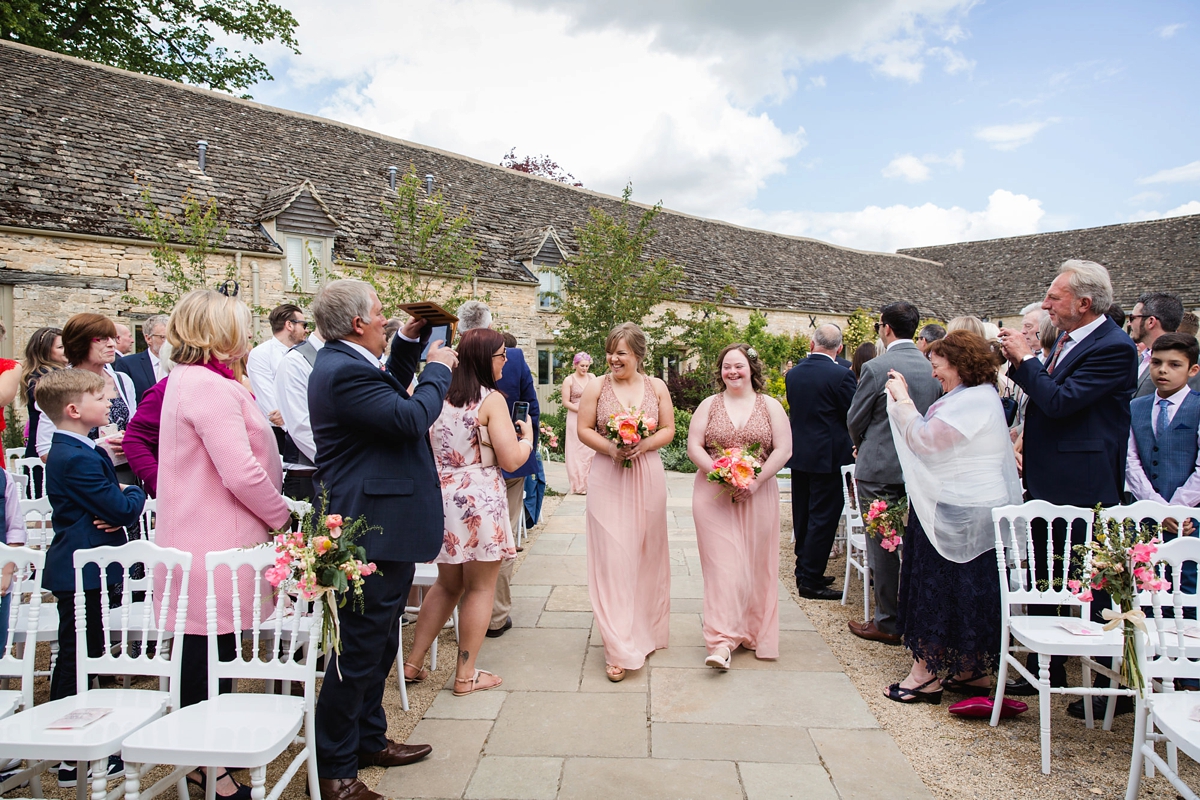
(1133, 223)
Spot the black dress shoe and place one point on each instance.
(498, 632)
(1100, 707)
(818, 593)
(394, 755)
(828, 580)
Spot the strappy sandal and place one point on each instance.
(717, 661)
(421, 675)
(966, 687)
(242, 793)
(473, 682)
(615, 674)
(901, 695)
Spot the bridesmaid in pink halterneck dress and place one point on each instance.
(737, 531)
(629, 569)
(578, 457)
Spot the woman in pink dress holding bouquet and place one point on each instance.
(629, 569)
(737, 518)
(578, 457)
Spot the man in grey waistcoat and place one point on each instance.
(877, 471)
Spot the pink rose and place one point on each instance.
(1085, 596)
(724, 462)
(333, 521)
(1142, 553)
(322, 545)
(335, 533)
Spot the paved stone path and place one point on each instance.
(795, 727)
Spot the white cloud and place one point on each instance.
(915, 170)
(1185, 210)
(1185, 174)
(816, 82)
(1142, 198)
(898, 226)
(1010, 137)
(1167, 31)
(955, 61)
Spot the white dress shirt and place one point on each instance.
(156, 365)
(1135, 474)
(1078, 335)
(46, 427)
(261, 366)
(291, 392)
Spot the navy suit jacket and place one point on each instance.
(819, 393)
(373, 447)
(1077, 420)
(516, 383)
(82, 486)
(139, 368)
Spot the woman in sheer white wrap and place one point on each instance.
(958, 465)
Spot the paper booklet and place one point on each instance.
(1079, 628)
(79, 718)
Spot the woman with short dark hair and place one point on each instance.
(864, 353)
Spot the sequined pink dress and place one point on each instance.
(578, 455)
(739, 543)
(629, 568)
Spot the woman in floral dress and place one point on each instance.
(473, 439)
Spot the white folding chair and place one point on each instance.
(26, 735)
(11, 454)
(856, 541)
(39, 522)
(240, 730)
(784, 476)
(522, 532)
(1018, 569)
(25, 591)
(1170, 651)
(148, 521)
(425, 577)
(35, 470)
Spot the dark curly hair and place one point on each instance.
(976, 359)
(756, 368)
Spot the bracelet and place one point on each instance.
(905, 401)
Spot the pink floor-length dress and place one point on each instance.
(578, 455)
(739, 543)
(629, 568)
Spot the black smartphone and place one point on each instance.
(520, 410)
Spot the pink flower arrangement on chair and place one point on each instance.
(886, 523)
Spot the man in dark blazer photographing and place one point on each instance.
(376, 463)
(819, 393)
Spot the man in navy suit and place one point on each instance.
(819, 393)
(143, 367)
(1077, 420)
(375, 462)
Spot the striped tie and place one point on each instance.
(1058, 348)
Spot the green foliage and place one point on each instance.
(14, 433)
(683, 421)
(434, 256)
(610, 281)
(173, 40)
(860, 327)
(777, 388)
(199, 231)
(675, 458)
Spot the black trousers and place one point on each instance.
(350, 716)
(62, 681)
(193, 671)
(816, 506)
(299, 485)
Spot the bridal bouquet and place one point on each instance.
(736, 467)
(629, 429)
(548, 436)
(886, 522)
(1117, 561)
(321, 562)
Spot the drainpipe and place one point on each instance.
(254, 287)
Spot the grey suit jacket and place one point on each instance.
(1146, 386)
(868, 420)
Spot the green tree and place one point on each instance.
(199, 232)
(434, 256)
(860, 327)
(172, 39)
(610, 281)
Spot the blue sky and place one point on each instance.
(870, 123)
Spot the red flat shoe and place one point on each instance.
(981, 708)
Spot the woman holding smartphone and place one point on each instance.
(473, 439)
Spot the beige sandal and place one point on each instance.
(473, 682)
(718, 661)
(615, 674)
(421, 675)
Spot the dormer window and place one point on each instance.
(541, 250)
(301, 224)
(549, 290)
(307, 261)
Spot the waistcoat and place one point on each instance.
(1171, 460)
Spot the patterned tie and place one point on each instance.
(1058, 348)
(1160, 424)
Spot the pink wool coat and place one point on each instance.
(219, 482)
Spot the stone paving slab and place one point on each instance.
(515, 778)
(788, 782)
(649, 779)
(477, 705)
(536, 659)
(732, 742)
(571, 724)
(552, 570)
(569, 598)
(565, 619)
(866, 765)
(595, 677)
(446, 771)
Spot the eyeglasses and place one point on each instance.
(158, 336)
(301, 322)
(230, 288)
(1132, 317)
(500, 355)
(878, 325)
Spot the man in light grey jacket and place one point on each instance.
(877, 471)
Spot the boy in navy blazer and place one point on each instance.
(90, 508)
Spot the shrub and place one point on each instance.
(675, 458)
(689, 389)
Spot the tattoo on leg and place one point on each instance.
(464, 656)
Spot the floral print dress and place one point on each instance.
(474, 497)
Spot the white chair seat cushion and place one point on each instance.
(24, 735)
(10, 701)
(1171, 715)
(1046, 635)
(232, 730)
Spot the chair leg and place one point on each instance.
(99, 773)
(1088, 718)
(846, 579)
(1110, 710)
(1044, 708)
(258, 782)
(1001, 679)
(1138, 759)
(310, 740)
(133, 781)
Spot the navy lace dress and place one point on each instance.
(949, 613)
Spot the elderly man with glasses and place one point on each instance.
(144, 367)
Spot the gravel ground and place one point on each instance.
(961, 758)
(400, 724)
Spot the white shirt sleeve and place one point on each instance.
(14, 519)
(1135, 475)
(261, 367)
(291, 390)
(45, 436)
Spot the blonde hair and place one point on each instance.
(206, 326)
(972, 324)
(634, 338)
(59, 388)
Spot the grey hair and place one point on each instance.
(153, 322)
(1029, 309)
(828, 336)
(473, 314)
(1088, 279)
(338, 303)
(1047, 333)
(932, 333)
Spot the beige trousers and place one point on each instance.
(503, 602)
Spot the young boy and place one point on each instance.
(90, 509)
(1164, 439)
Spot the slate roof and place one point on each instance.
(1006, 274)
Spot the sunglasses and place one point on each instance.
(303, 323)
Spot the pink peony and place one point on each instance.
(333, 521)
(741, 474)
(628, 431)
(322, 545)
(724, 462)
(1142, 553)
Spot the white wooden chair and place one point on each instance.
(25, 735)
(25, 591)
(1017, 568)
(521, 532)
(39, 524)
(11, 454)
(39, 533)
(30, 467)
(240, 730)
(425, 576)
(22, 483)
(784, 476)
(148, 522)
(856, 541)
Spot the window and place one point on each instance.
(306, 262)
(549, 289)
(550, 366)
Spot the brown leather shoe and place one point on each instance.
(867, 630)
(395, 755)
(346, 789)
